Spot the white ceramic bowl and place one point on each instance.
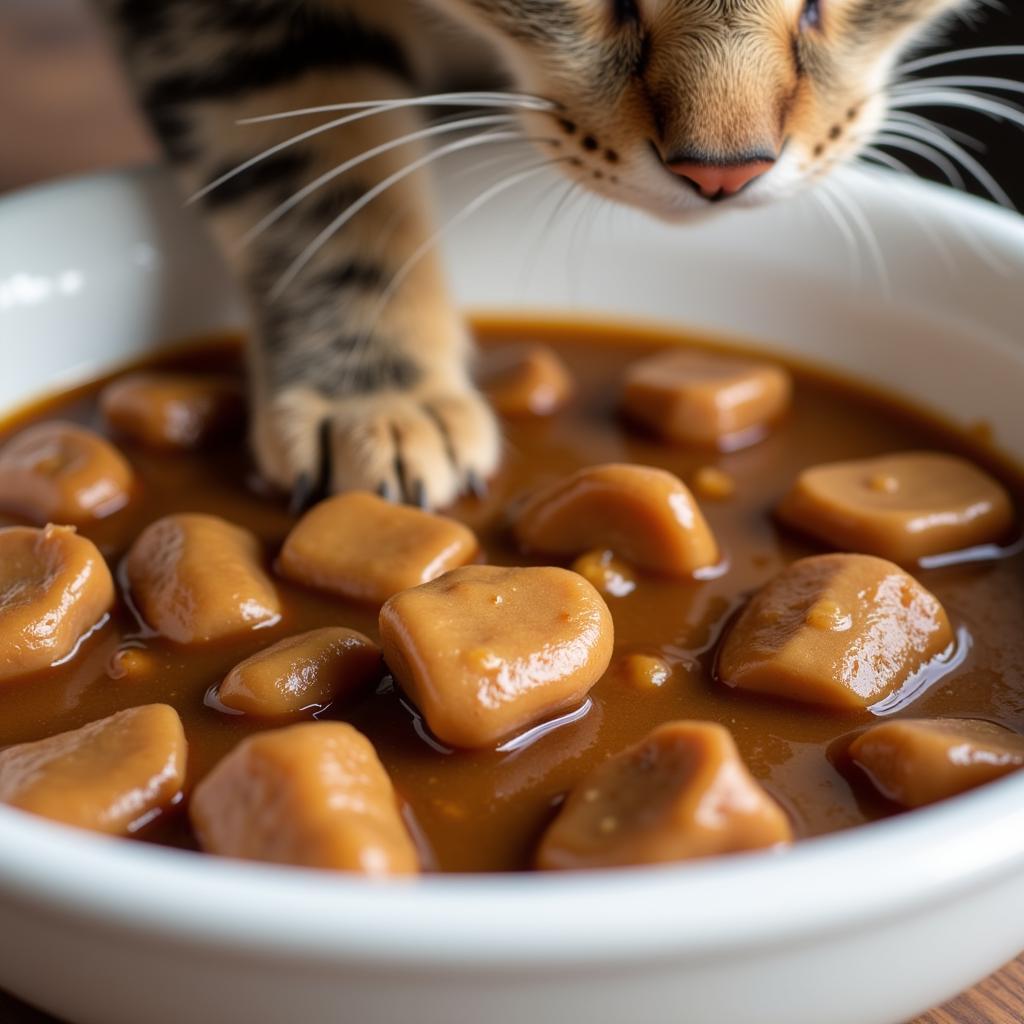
(868, 927)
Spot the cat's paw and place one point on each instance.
(420, 447)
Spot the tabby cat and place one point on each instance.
(359, 361)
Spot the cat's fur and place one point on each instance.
(350, 391)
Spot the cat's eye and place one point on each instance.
(811, 14)
(625, 12)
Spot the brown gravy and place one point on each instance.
(485, 810)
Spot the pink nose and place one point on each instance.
(715, 181)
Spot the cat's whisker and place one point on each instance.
(905, 116)
(905, 137)
(954, 56)
(367, 197)
(839, 219)
(317, 183)
(861, 222)
(429, 244)
(441, 99)
(881, 157)
(294, 140)
(959, 98)
(958, 153)
(961, 81)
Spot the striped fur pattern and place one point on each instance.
(358, 357)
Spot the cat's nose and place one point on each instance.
(719, 181)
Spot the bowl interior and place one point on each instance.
(920, 296)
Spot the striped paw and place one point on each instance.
(419, 447)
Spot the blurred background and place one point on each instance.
(64, 108)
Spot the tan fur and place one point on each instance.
(720, 80)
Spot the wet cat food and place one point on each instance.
(843, 631)
(919, 761)
(487, 651)
(363, 547)
(55, 588)
(648, 640)
(901, 507)
(314, 795)
(196, 578)
(172, 410)
(61, 473)
(303, 673)
(115, 775)
(682, 792)
(645, 515)
(695, 398)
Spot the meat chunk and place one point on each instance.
(54, 588)
(363, 547)
(173, 410)
(901, 507)
(110, 776)
(302, 673)
(914, 762)
(645, 515)
(487, 651)
(313, 795)
(843, 631)
(683, 792)
(533, 383)
(705, 399)
(58, 472)
(196, 578)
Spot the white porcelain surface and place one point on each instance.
(869, 927)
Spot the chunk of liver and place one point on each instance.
(62, 473)
(313, 795)
(681, 793)
(363, 547)
(646, 516)
(901, 507)
(914, 762)
(486, 651)
(302, 673)
(842, 631)
(109, 776)
(704, 399)
(196, 578)
(173, 410)
(54, 588)
(534, 382)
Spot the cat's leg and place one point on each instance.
(349, 390)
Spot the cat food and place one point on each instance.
(608, 573)
(112, 776)
(197, 578)
(486, 651)
(581, 665)
(172, 410)
(901, 507)
(681, 793)
(314, 795)
(843, 631)
(365, 548)
(919, 761)
(693, 398)
(307, 672)
(62, 473)
(54, 588)
(645, 515)
(531, 383)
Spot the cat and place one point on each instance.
(359, 362)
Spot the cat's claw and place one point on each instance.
(422, 448)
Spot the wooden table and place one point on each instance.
(64, 110)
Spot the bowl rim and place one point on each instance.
(551, 922)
